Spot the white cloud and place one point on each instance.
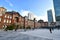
(25, 13)
(9, 3)
(41, 17)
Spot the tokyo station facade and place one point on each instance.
(12, 17)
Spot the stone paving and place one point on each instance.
(30, 35)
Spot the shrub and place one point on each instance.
(10, 27)
(22, 27)
(28, 27)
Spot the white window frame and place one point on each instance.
(8, 16)
(4, 20)
(0, 19)
(7, 21)
(5, 16)
(10, 21)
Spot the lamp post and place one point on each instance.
(34, 22)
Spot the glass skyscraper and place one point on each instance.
(57, 9)
(50, 16)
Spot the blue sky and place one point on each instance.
(38, 7)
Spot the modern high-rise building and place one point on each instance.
(50, 16)
(57, 9)
(30, 16)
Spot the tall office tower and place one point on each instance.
(50, 16)
(30, 16)
(57, 9)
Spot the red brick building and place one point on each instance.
(8, 18)
(31, 23)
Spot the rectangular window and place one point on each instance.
(7, 21)
(10, 21)
(0, 14)
(0, 19)
(5, 16)
(8, 16)
(4, 20)
(1, 9)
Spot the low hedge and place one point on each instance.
(10, 27)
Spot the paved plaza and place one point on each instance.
(37, 34)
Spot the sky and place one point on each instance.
(38, 7)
